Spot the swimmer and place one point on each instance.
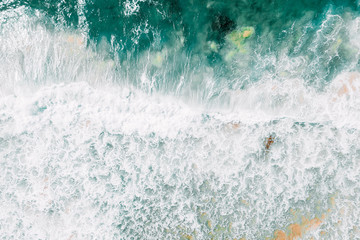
(268, 142)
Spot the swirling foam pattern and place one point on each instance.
(144, 119)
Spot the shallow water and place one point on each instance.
(179, 120)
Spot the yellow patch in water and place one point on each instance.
(312, 224)
(230, 226)
(247, 33)
(158, 60)
(245, 202)
(187, 237)
(332, 201)
(208, 223)
(280, 235)
(292, 211)
(213, 46)
(295, 231)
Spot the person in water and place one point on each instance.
(269, 141)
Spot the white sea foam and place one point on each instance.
(84, 158)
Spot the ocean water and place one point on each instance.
(192, 119)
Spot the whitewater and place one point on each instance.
(98, 141)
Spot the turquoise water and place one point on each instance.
(144, 119)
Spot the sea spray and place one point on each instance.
(179, 120)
